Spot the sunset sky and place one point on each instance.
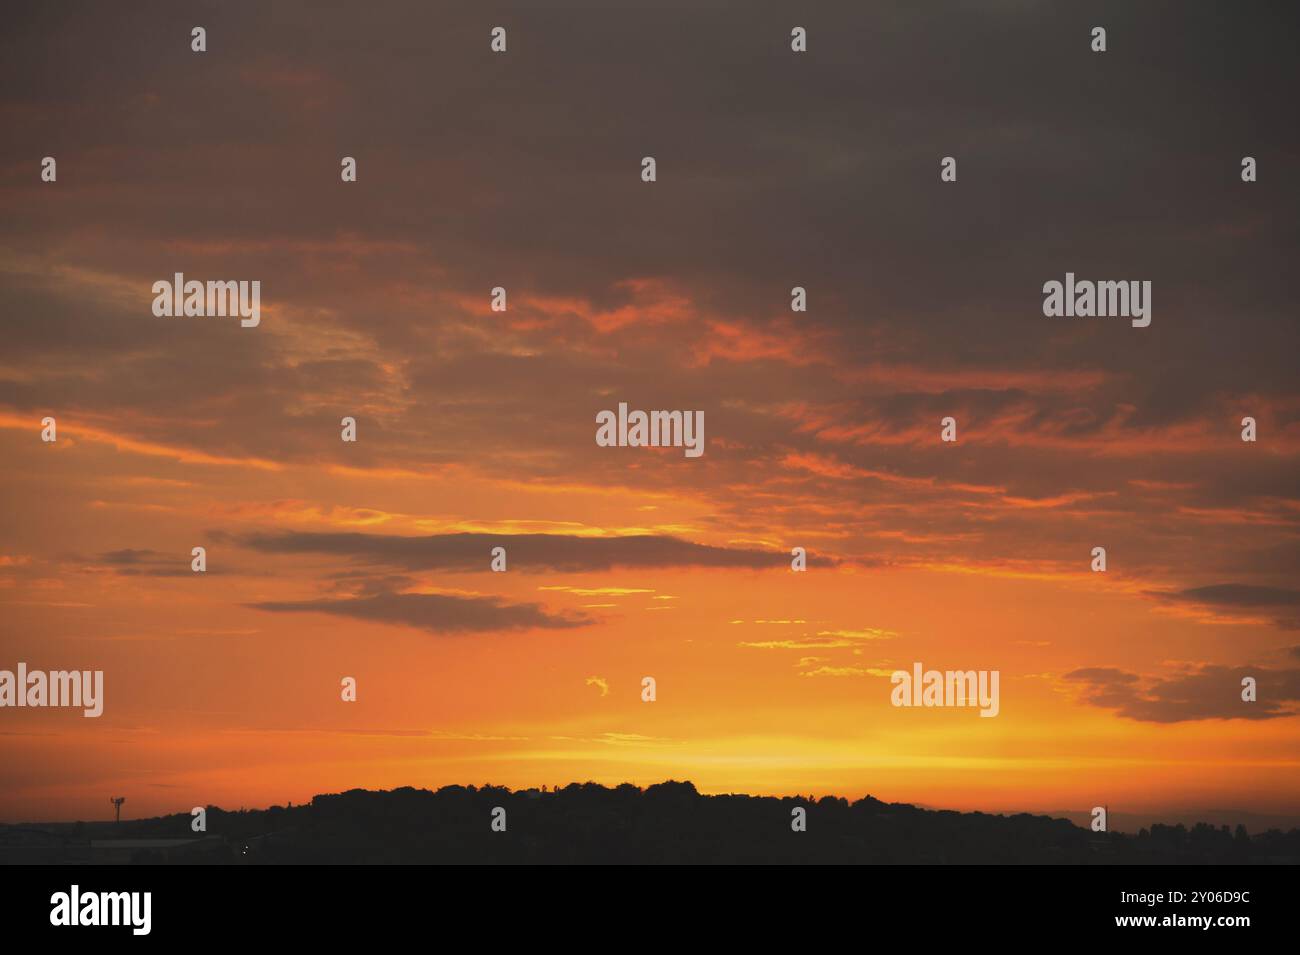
(476, 428)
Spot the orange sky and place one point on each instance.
(822, 428)
(768, 681)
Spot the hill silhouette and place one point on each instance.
(668, 822)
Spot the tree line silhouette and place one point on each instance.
(668, 822)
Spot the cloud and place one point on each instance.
(436, 613)
(599, 591)
(133, 562)
(867, 633)
(1237, 601)
(824, 639)
(837, 671)
(600, 683)
(526, 552)
(664, 308)
(1234, 595)
(1207, 692)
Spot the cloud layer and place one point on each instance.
(1206, 693)
(436, 613)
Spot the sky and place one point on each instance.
(476, 428)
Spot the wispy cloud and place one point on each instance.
(436, 613)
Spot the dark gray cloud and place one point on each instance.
(140, 562)
(1236, 595)
(819, 169)
(130, 556)
(1123, 161)
(436, 613)
(1244, 598)
(524, 552)
(1103, 676)
(1209, 692)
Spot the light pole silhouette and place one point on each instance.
(117, 807)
